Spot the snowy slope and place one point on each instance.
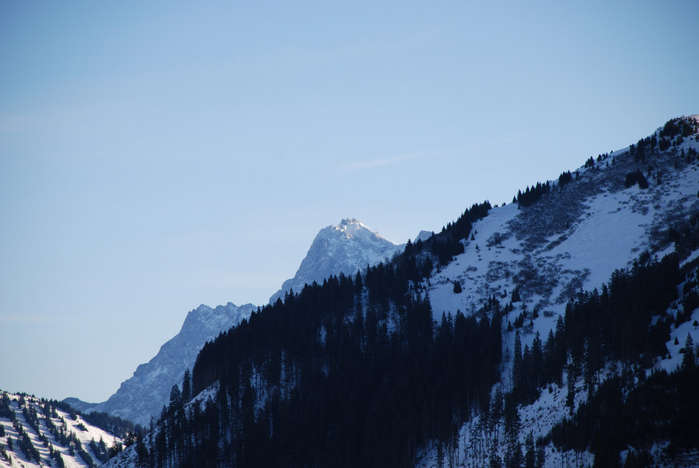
(144, 394)
(690, 327)
(478, 435)
(44, 438)
(346, 248)
(572, 239)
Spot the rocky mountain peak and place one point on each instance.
(346, 247)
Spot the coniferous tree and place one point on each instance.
(688, 360)
(494, 458)
(187, 386)
(530, 455)
(570, 395)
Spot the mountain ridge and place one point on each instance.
(632, 210)
(345, 248)
(143, 395)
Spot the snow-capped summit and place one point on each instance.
(351, 227)
(346, 247)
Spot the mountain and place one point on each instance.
(36, 432)
(143, 395)
(637, 204)
(423, 236)
(345, 248)
(576, 234)
(557, 330)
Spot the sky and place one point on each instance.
(159, 155)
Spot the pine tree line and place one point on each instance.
(321, 377)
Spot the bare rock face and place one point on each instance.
(144, 394)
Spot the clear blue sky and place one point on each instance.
(159, 155)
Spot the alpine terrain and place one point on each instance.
(143, 395)
(36, 432)
(343, 248)
(557, 330)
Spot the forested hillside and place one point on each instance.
(547, 347)
(38, 432)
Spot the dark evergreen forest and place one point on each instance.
(355, 372)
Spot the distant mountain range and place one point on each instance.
(562, 333)
(345, 248)
(143, 395)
